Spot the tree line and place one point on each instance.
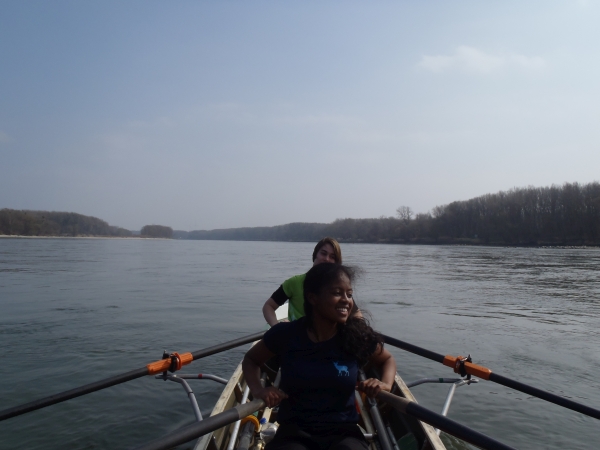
(156, 231)
(51, 223)
(555, 215)
(289, 232)
(531, 216)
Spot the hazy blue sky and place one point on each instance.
(204, 115)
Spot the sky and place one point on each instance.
(203, 115)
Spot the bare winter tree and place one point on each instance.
(404, 213)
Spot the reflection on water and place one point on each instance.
(78, 310)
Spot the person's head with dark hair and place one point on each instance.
(329, 303)
(327, 250)
(328, 281)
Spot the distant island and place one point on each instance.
(156, 231)
(567, 215)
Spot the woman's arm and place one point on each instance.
(269, 311)
(387, 366)
(254, 358)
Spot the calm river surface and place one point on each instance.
(73, 311)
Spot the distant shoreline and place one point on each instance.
(20, 223)
(17, 236)
(447, 244)
(565, 216)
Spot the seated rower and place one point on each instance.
(320, 356)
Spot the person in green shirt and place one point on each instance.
(327, 250)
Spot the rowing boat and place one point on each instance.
(395, 421)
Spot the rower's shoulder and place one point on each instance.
(294, 286)
(279, 336)
(295, 279)
(289, 327)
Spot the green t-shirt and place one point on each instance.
(294, 289)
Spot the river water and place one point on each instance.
(73, 311)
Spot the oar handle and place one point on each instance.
(443, 423)
(197, 429)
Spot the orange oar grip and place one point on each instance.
(162, 365)
(187, 358)
(477, 370)
(451, 361)
(473, 369)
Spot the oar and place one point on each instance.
(197, 429)
(458, 362)
(175, 361)
(443, 423)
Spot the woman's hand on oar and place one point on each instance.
(373, 386)
(271, 395)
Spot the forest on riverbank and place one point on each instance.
(51, 223)
(531, 216)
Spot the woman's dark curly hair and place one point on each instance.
(358, 338)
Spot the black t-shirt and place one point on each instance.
(319, 378)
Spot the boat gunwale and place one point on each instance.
(226, 400)
(430, 434)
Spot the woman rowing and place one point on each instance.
(320, 356)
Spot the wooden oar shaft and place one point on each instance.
(195, 430)
(122, 378)
(443, 423)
